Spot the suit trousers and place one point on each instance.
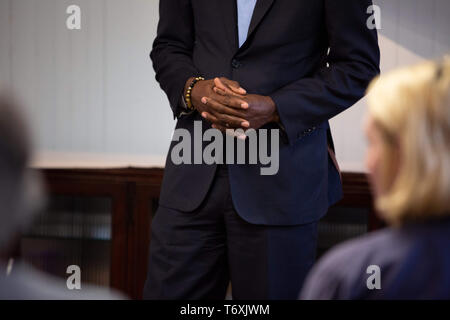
(194, 255)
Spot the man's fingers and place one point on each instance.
(216, 119)
(227, 93)
(234, 85)
(231, 101)
(215, 122)
(219, 91)
(228, 131)
(226, 116)
(219, 127)
(229, 86)
(209, 117)
(219, 84)
(224, 120)
(237, 89)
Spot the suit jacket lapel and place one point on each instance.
(261, 8)
(229, 15)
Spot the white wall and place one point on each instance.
(93, 91)
(88, 90)
(412, 30)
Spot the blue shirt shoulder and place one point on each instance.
(413, 262)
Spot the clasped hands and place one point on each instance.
(226, 105)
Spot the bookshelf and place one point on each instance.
(100, 219)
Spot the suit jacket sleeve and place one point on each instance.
(172, 50)
(353, 62)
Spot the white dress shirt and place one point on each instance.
(245, 13)
(245, 10)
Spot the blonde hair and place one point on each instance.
(411, 110)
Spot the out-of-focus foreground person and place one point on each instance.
(408, 158)
(21, 197)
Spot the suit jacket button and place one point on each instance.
(236, 64)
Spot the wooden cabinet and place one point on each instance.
(131, 197)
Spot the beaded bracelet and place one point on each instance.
(189, 90)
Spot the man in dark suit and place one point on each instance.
(297, 65)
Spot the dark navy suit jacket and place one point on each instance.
(414, 263)
(285, 57)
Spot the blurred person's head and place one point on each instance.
(20, 192)
(408, 130)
